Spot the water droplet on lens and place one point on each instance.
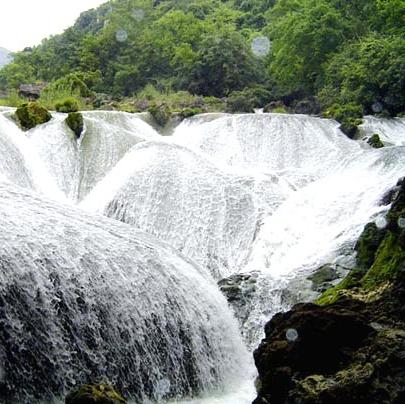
(261, 46)
(291, 334)
(138, 14)
(162, 387)
(377, 107)
(401, 222)
(381, 222)
(121, 35)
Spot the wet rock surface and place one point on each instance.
(239, 290)
(347, 352)
(351, 347)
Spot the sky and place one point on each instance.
(26, 22)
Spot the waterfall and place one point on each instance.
(391, 131)
(170, 192)
(132, 296)
(83, 297)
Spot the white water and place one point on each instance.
(271, 193)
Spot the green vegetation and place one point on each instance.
(75, 122)
(67, 105)
(32, 114)
(375, 141)
(160, 113)
(95, 393)
(344, 52)
(380, 255)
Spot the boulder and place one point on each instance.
(75, 122)
(32, 114)
(275, 106)
(31, 91)
(375, 141)
(323, 276)
(160, 113)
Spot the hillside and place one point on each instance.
(340, 51)
(5, 57)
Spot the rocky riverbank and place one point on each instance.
(350, 346)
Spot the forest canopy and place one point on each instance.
(343, 51)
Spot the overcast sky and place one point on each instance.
(26, 22)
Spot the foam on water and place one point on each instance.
(84, 297)
(276, 195)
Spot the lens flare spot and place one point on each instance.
(291, 334)
(138, 14)
(381, 222)
(261, 46)
(121, 35)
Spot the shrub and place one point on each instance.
(188, 112)
(69, 104)
(160, 113)
(348, 115)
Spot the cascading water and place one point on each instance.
(266, 197)
(85, 297)
(391, 131)
(170, 192)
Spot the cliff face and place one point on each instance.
(350, 346)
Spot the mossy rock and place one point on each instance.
(322, 277)
(67, 105)
(95, 394)
(380, 255)
(75, 122)
(32, 114)
(375, 141)
(160, 113)
(350, 127)
(188, 112)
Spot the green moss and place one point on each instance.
(75, 122)
(32, 114)
(367, 245)
(187, 112)
(375, 141)
(389, 260)
(380, 256)
(348, 115)
(95, 394)
(67, 105)
(160, 113)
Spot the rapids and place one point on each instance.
(132, 297)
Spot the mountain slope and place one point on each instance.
(5, 57)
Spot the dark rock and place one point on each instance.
(239, 289)
(31, 91)
(308, 106)
(349, 128)
(326, 339)
(351, 349)
(32, 114)
(75, 122)
(95, 394)
(275, 106)
(375, 141)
